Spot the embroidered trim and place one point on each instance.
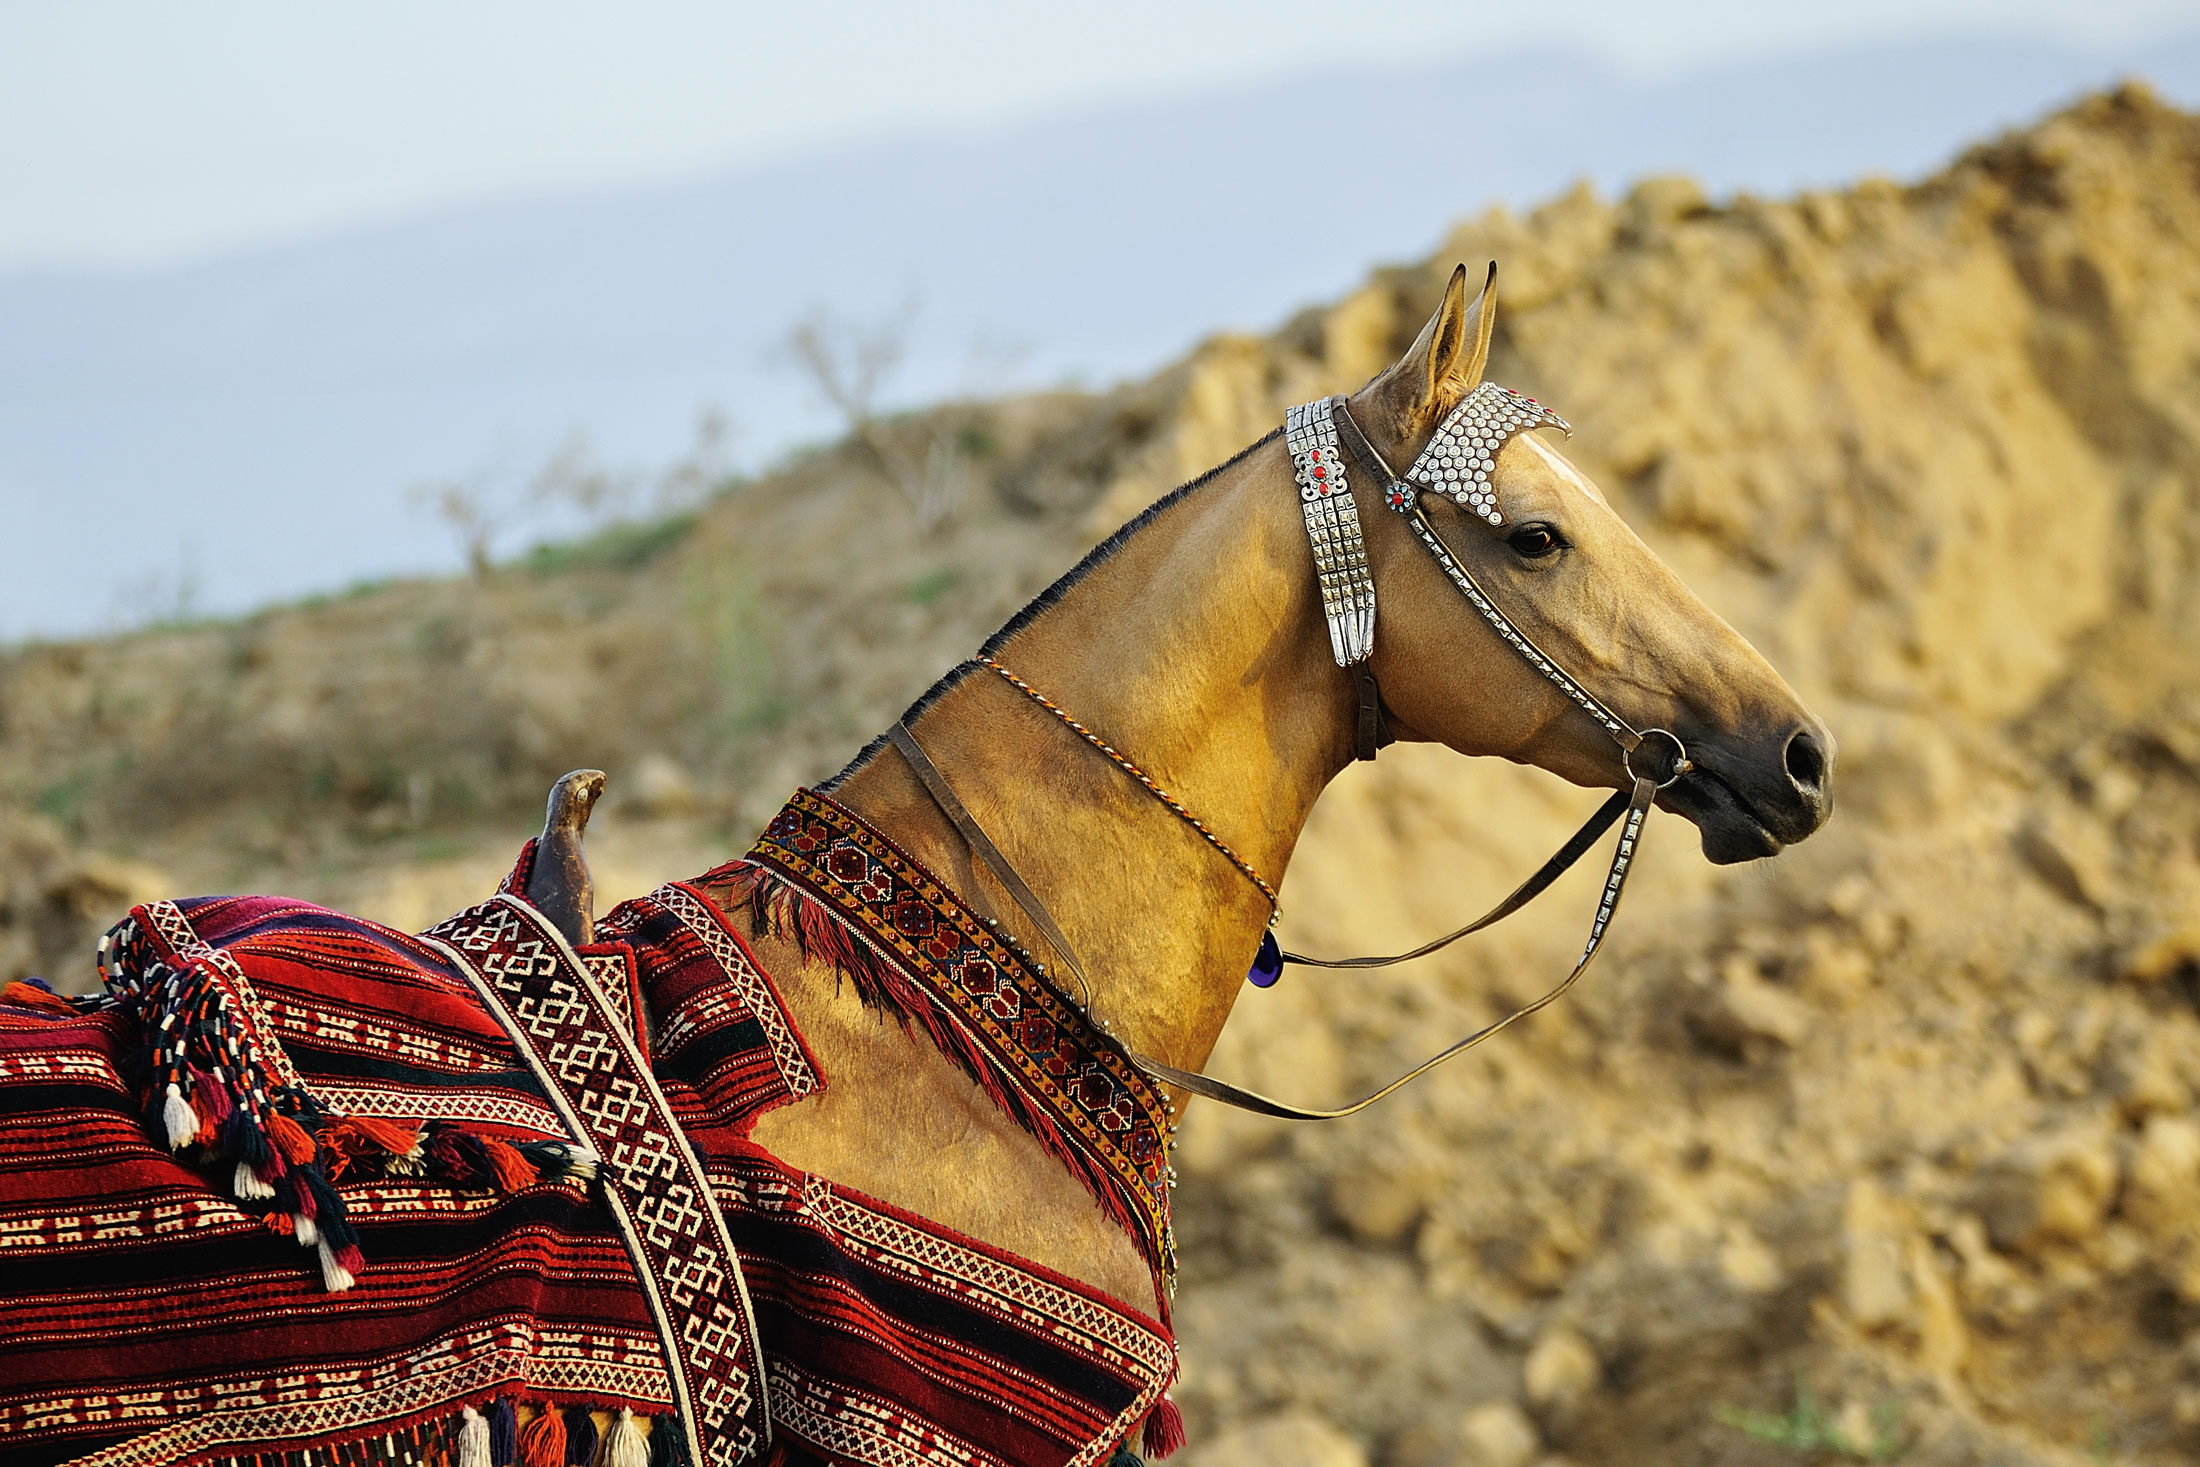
(861, 1427)
(392, 1100)
(387, 1397)
(749, 985)
(592, 1070)
(1019, 1037)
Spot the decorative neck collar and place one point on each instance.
(981, 998)
(1333, 529)
(1456, 464)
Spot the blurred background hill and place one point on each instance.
(304, 385)
(1887, 1150)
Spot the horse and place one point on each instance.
(976, 975)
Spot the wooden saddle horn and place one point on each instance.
(559, 887)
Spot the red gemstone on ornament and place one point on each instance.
(1320, 473)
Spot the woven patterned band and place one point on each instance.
(1333, 527)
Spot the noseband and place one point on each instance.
(1456, 463)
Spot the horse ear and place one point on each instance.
(1447, 359)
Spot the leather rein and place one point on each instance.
(1335, 560)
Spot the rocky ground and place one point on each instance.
(1886, 1150)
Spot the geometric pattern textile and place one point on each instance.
(1028, 1045)
(594, 1071)
(155, 1317)
(894, 1340)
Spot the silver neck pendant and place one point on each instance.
(1333, 528)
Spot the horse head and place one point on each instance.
(1567, 571)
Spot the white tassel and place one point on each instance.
(308, 1231)
(249, 1186)
(181, 1120)
(623, 1444)
(473, 1437)
(581, 1163)
(337, 1278)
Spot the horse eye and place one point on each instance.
(1534, 541)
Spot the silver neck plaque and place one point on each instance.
(1333, 529)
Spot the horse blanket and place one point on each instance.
(302, 1184)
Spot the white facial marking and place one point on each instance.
(1566, 471)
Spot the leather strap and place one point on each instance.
(1637, 807)
(958, 814)
(1562, 861)
(1370, 730)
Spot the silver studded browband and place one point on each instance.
(1462, 451)
(1457, 464)
(1333, 527)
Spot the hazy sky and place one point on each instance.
(144, 132)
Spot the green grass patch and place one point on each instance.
(1808, 1429)
(624, 546)
(932, 585)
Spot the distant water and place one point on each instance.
(237, 432)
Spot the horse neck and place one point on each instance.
(1199, 651)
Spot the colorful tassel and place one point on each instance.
(622, 1444)
(511, 1170)
(337, 1277)
(473, 1439)
(385, 1136)
(664, 1441)
(249, 1187)
(181, 1121)
(32, 993)
(580, 1437)
(503, 1433)
(1164, 1433)
(542, 1440)
(291, 1139)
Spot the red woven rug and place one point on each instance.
(302, 1184)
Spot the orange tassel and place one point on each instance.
(391, 1136)
(31, 996)
(513, 1170)
(291, 1139)
(542, 1440)
(278, 1222)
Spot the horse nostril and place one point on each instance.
(1806, 761)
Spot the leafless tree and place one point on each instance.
(849, 364)
(486, 509)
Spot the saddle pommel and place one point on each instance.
(559, 887)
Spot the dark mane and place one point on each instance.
(1038, 605)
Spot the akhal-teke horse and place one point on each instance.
(855, 1149)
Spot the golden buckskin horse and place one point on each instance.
(854, 1149)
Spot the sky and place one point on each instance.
(138, 134)
(269, 271)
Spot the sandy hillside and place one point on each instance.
(1887, 1149)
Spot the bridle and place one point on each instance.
(1456, 463)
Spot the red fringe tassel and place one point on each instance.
(1164, 1434)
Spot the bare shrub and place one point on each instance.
(928, 456)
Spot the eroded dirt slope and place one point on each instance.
(1888, 1148)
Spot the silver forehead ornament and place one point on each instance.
(1457, 463)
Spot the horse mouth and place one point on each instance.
(1731, 827)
